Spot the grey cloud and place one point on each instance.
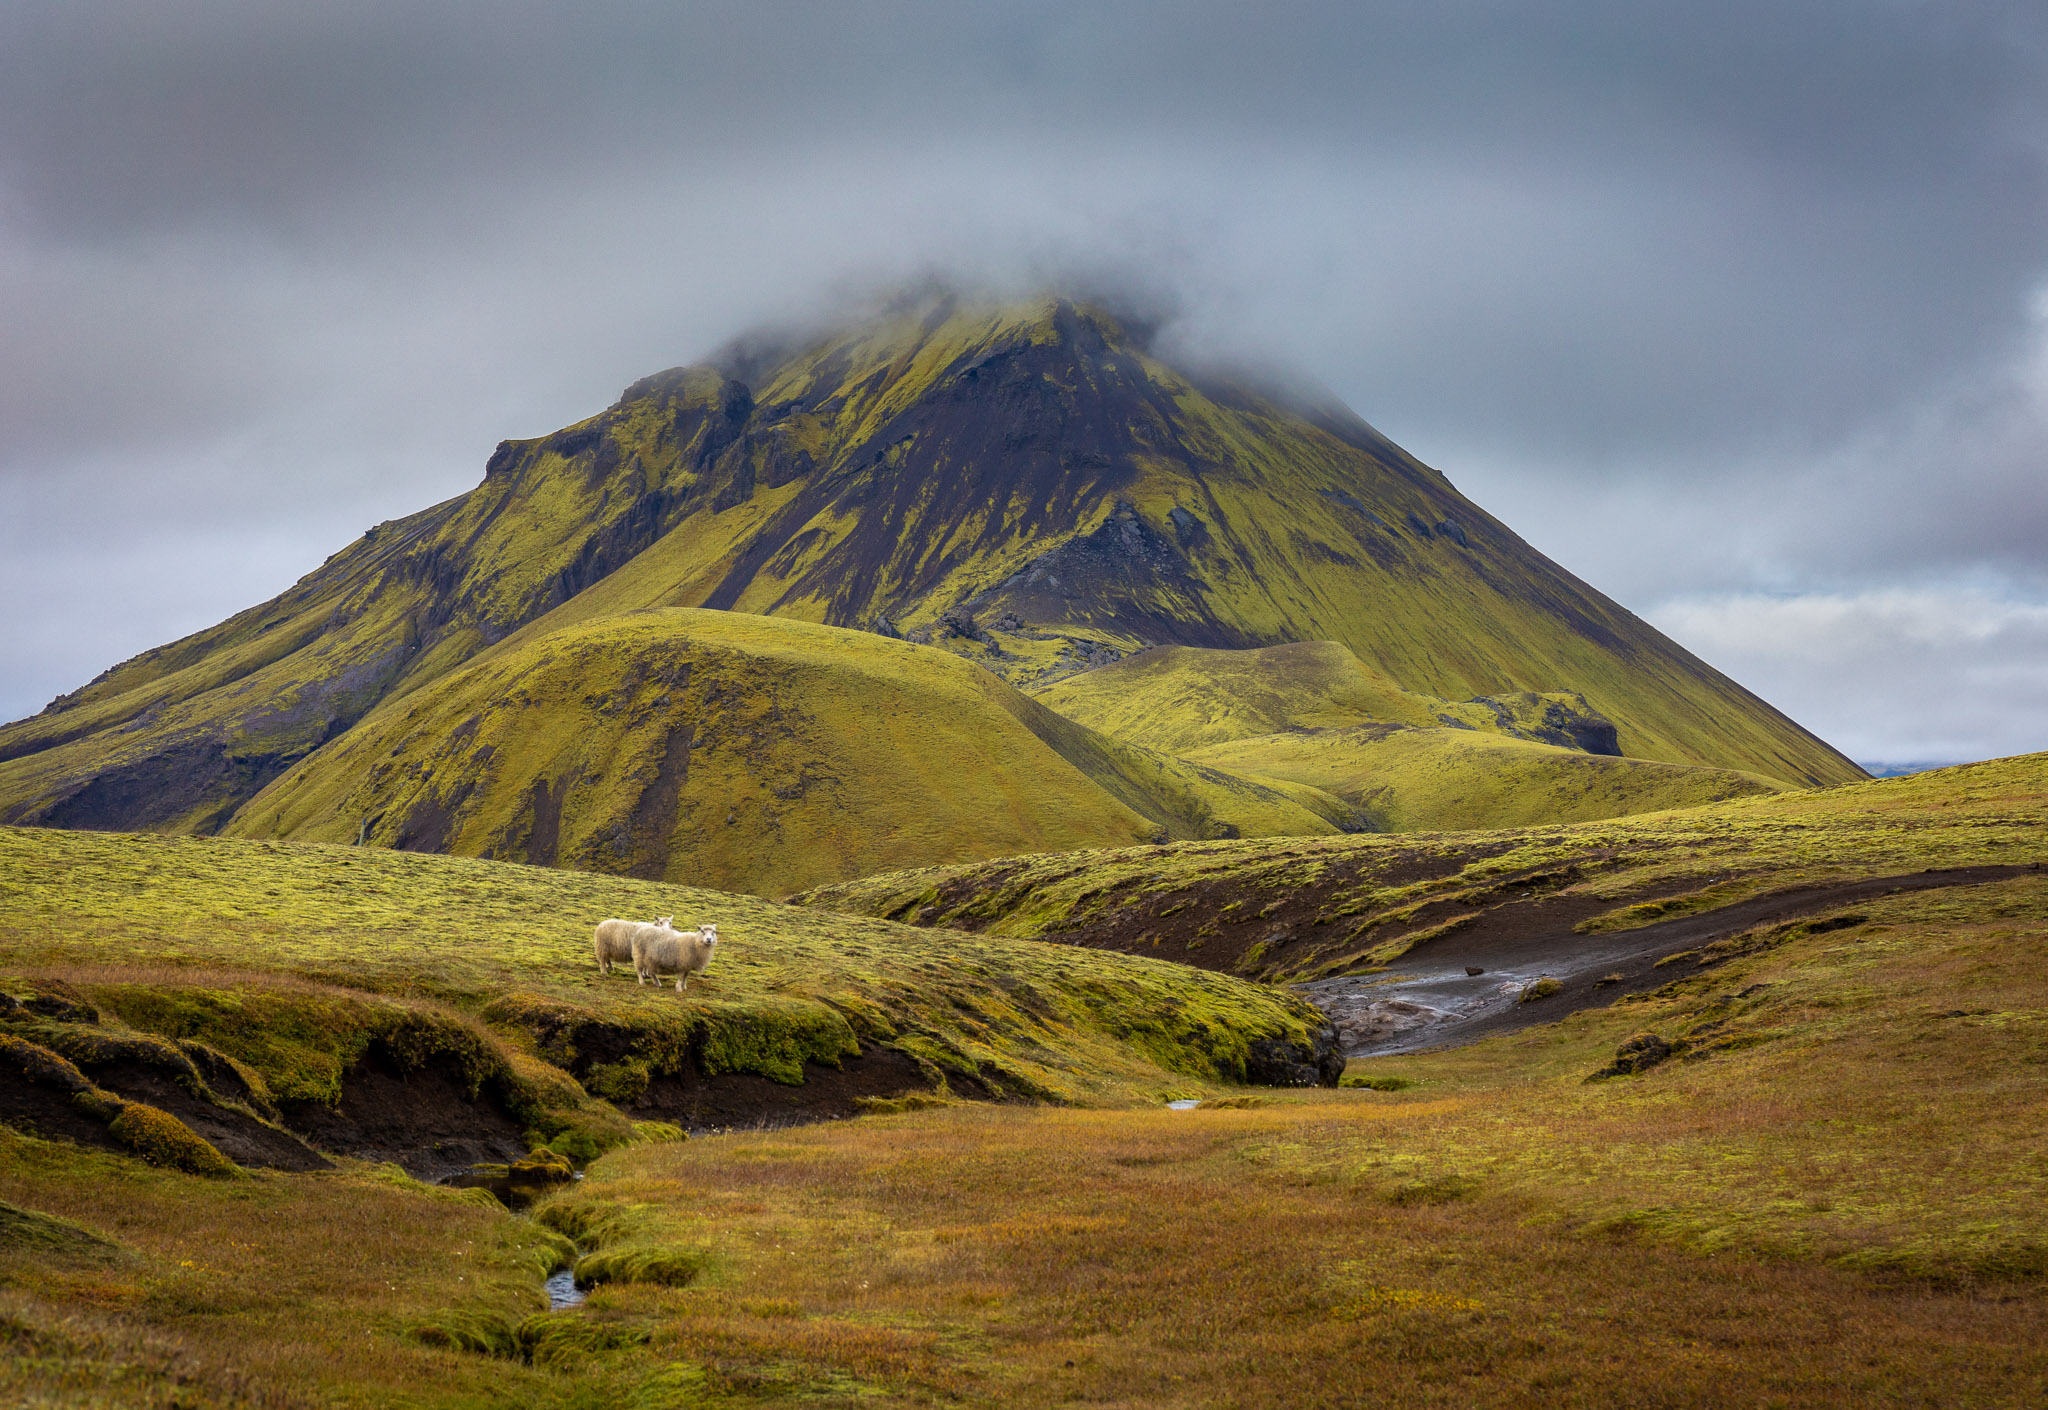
(1701, 299)
(1892, 676)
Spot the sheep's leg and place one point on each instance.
(682, 981)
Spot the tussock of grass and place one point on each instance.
(1376, 1083)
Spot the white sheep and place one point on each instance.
(614, 941)
(659, 950)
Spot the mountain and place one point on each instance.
(744, 753)
(1025, 485)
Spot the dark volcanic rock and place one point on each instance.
(1275, 1062)
(1638, 1054)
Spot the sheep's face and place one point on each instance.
(665, 922)
(711, 935)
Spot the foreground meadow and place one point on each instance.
(1830, 1192)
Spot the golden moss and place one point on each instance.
(162, 1139)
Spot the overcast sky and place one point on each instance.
(1739, 311)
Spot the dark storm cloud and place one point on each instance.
(1705, 300)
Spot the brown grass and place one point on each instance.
(1032, 1257)
(1833, 1194)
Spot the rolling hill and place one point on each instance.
(1025, 485)
(1396, 778)
(745, 753)
(1311, 714)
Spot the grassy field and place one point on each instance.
(1832, 1194)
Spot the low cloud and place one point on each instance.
(1937, 674)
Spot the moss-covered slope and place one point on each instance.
(743, 753)
(1024, 484)
(1401, 779)
(1300, 908)
(1183, 698)
(304, 963)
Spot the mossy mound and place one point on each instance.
(46, 1235)
(162, 1139)
(744, 753)
(40, 1089)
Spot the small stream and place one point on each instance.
(563, 1292)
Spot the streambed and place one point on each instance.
(1431, 999)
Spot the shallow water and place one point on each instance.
(563, 1292)
(1184, 1104)
(1402, 1013)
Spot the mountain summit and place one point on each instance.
(1023, 484)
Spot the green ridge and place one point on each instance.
(1399, 779)
(1296, 908)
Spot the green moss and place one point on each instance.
(775, 1039)
(620, 1082)
(41, 1066)
(1376, 1083)
(663, 1266)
